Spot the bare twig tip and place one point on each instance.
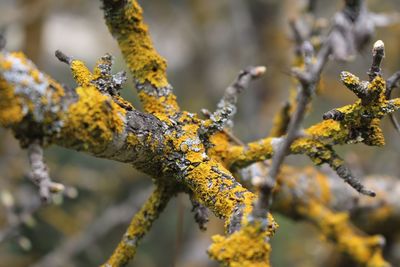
(368, 193)
(258, 71)
(63, 57)
(379, 46)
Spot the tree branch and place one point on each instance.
(140, 225)
(125, 21)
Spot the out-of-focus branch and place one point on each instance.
(200, 214)
(40, 173)
(140, 225)
(226, 108)
(308, 78)
(103, 224)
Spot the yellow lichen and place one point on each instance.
(132, 34)
(221, 144)
(93, 120)
(349, 79)
(335, 226)
(244, 248)
(81, 73)
(139, 226)
(161, 107)
(10, 105)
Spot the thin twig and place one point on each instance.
(378, 53)
(391, 84)
(107, 221)
(40, 174)
(226, 108)
(307, 86)
(140, 225)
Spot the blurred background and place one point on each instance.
(206, 43)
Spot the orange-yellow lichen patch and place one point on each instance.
(219, 193)
(93, 120)
(26, 90)
(349, 79)
(81, 73)
(378, 87)
(161, 107)
(10, 106)
(336, 226)
(19, 55)
(220, 148)
(328, 130)
(255, 151)
(244, 248)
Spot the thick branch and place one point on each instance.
(87, 118)
(125, 22)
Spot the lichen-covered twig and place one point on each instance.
(112, 217)
(308, 79)
(140, 225)
(125, 21)
(311, 195)
(169, 145)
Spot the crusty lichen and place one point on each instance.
(25, 90)
(163, 107)
(10, 106)
(188, 157)
(127, 26)
(82, 75)
(359, 122)
(244, 248)
(93, 120)
(125, 22)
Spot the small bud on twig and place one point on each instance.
(63, 57)
(378, 53)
